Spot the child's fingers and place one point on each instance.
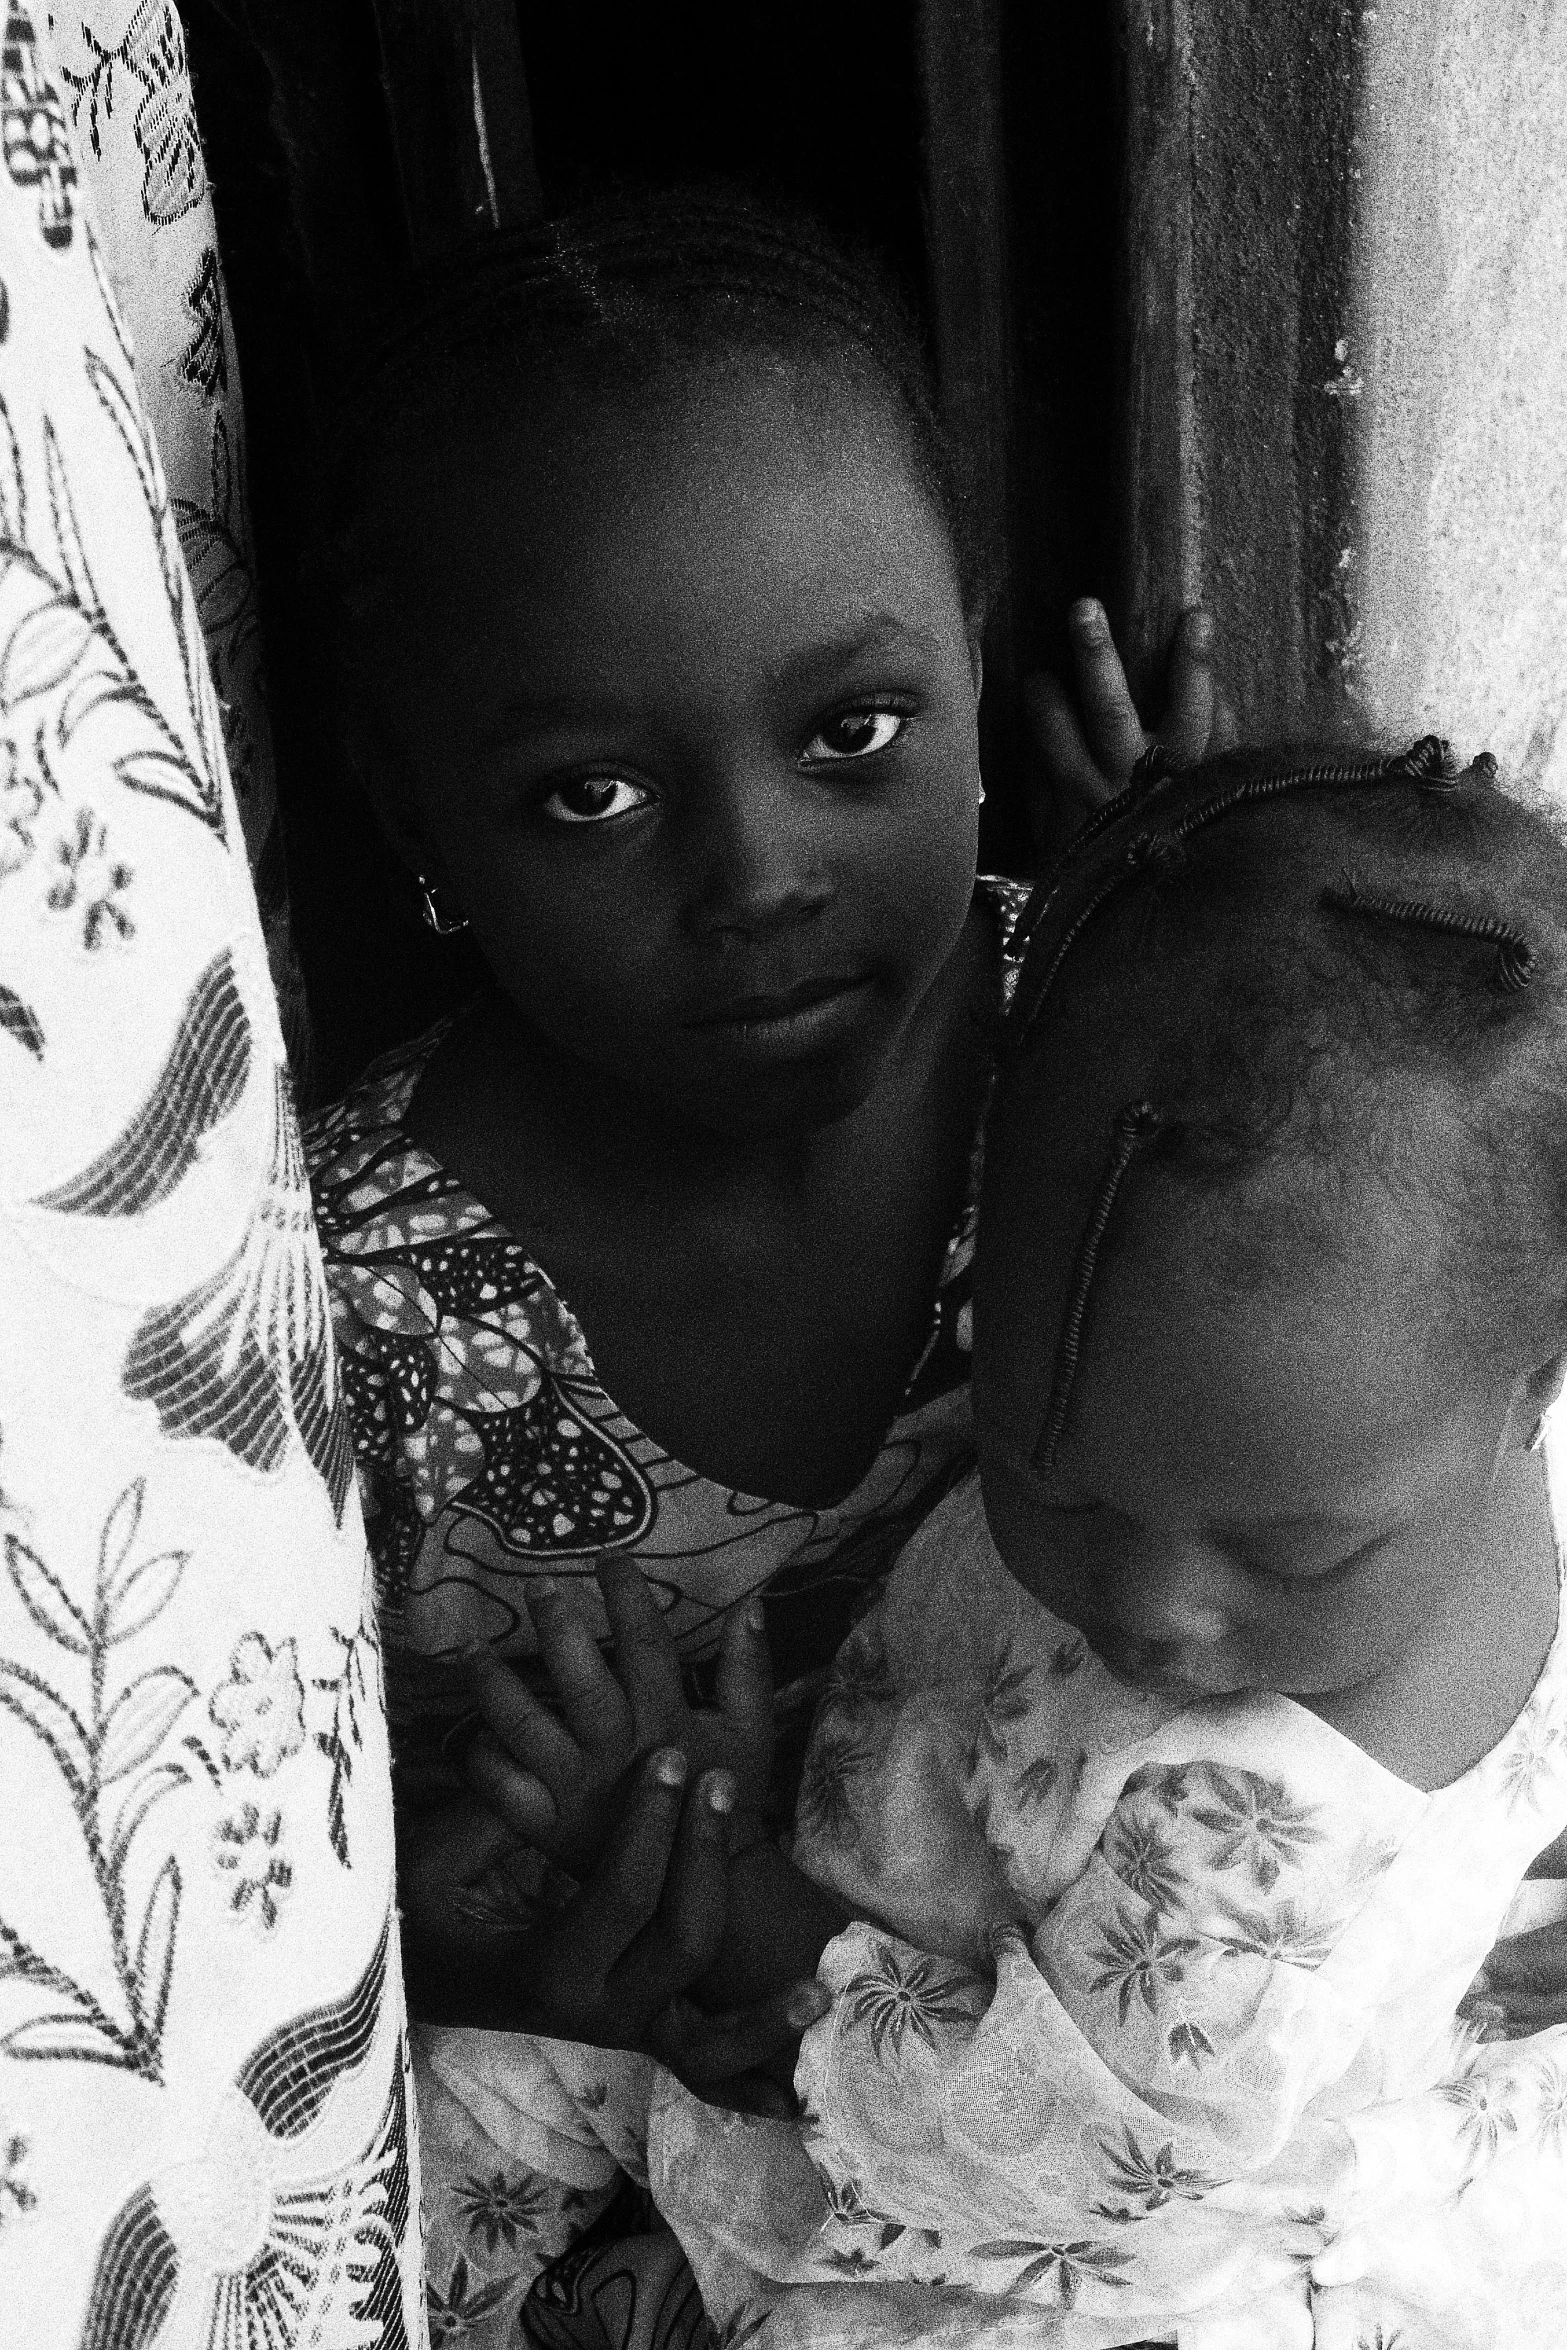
(1187, 727)
(745, 1676)
(527, 1730)
(591, 1698)
(681, 1941)
(707, 2050)
(1514, 2015)
(1358, 2317)
(1536, 1961)
(1113, 730)
(1057, 742)
(646, 1661)
(624, 1891)
(519, 1798)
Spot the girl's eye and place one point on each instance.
(593, 799)
(856, 734)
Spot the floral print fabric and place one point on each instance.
(1155, 2024)
(205, 2129)
(489, 1453)
(125, 87)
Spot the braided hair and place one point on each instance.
(1252, 989)
(630, 298)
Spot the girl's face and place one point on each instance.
(682, 715)
(1276, 1490)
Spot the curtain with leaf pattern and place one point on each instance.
(205, 2120)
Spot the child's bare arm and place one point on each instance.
(1086, 741)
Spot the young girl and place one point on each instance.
(1199, 1747)
(663, 626)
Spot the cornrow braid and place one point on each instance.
(1514, 954)
(591, 269)
(1428, 764)
(1198, 947)
(1135, 1127)
(618, 296)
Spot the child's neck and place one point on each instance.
(1456, 1692)
(755, 1305)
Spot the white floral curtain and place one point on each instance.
(204, 2111)
(125, 85)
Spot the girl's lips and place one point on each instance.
(782, 1027)
(750, 1011)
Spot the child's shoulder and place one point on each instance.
(372, 1183)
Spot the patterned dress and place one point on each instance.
(489, 1453)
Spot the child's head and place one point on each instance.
(660, 643)
(1273, 1246)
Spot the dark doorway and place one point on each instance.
(973, 143)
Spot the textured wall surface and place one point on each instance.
(1346, 361)
(1461, 568)
(1240, 227)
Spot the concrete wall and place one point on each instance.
(1346, 360)
(1462, 558)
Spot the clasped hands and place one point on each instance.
(690, 1936)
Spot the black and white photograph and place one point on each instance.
(783, 1175)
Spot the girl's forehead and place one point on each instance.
(578, 451)
(753, 522)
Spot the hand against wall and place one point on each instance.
(1085, 741)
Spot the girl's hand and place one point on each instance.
(779, 1922)
(1085, 753)
(613, 1967)
(558, 1781)
(618, 1965)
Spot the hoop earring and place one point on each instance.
(430, 912)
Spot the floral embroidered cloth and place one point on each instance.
(489, 1453)
(205, 2136)
(1156, 2023)
(126, 87)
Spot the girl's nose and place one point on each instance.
(760, 862)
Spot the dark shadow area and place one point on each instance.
(809, 100)
(1064, 178)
